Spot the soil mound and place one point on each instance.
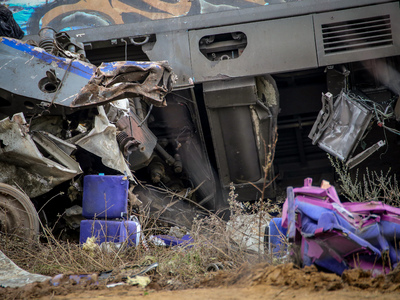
(309, 277)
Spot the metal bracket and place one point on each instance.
(351, 163)
(324, 117)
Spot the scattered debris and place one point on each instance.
(75, 279)
(141, 281)
(177, 232)
(73, 216)
(111, 285)
(90, 245)
(213, 267)
(127, 273)
(338, 236)
(167, 240)
(248, 231)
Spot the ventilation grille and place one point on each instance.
(357, 34)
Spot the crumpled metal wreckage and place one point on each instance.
(54, 110)
(19, 155)
(36, 80)
(336, 235)
(82, 85)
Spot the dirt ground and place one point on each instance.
(257, 282)
(248, 293)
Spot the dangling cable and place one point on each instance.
(61, 83)
(147, 116)
(387, 144)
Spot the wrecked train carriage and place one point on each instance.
(232, 59)
(238, 64)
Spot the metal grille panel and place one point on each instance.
(357, 34)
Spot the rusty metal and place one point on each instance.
(157, 171)
(140, 156)
(114, 81)
(172, 161)
(127, 144)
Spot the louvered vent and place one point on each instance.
(357, 34)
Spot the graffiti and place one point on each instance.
(74, 14)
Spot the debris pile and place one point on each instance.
(337, 236)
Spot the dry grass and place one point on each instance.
(215, 242)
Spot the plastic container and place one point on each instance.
(276, 236)
(110, 231)
(104, 197)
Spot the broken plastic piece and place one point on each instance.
(338, 236)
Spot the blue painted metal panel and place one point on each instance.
(77, 67)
